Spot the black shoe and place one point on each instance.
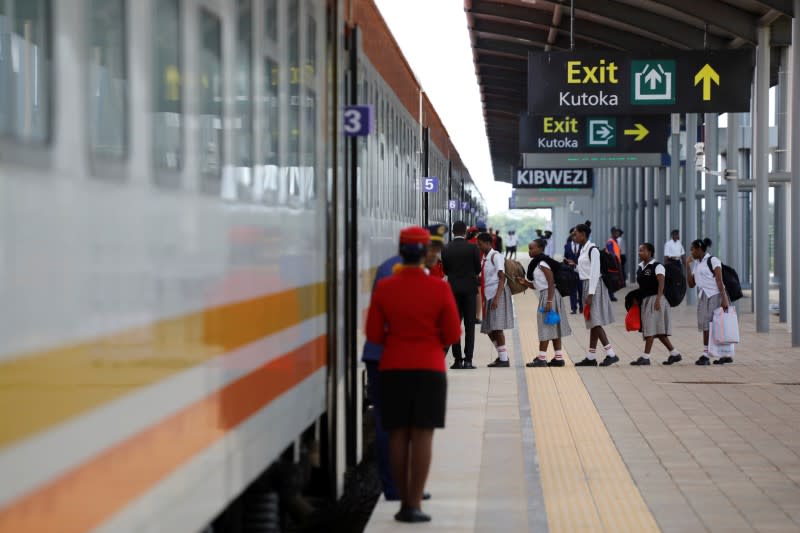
(536, 363)
(587, 362)
(556, 362)
(723, 360)
(642, 361)
(497, 363)
(573, 312)
(426, 495)
(458, 364)
(613, 298)
(407, 514)
(477, 321)
(468, 365)
(672, 359)
(703, 361)
(609, 360)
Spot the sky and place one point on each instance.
(433, 36)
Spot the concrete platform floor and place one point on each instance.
(674, 449)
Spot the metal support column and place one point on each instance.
(761, 170)
(732, 191)
(710, 216)
(630, 221)
(641, 232)
(795, 154)
(661, 228)
(780, 161)
(650, 176)
(690, 223)
(675, 176)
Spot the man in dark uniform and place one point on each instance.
(461, 261)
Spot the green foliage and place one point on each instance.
(524, 226)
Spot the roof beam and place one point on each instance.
(784, 6)
(505, 47)
(718, 14)
(519, 65)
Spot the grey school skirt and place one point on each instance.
(705, 309)
(556, 331)
(655, 322)
(500, 318)
(602, 309)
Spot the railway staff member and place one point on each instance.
(654, 308)
(540, 277)
(461, 261)
(498, 308)
(596, 298)
(673, 249)
(711, 292)
(413, 316)
(572, 251)
(433, 258)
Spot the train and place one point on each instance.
(187, 247)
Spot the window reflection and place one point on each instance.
(108, 84)
(210, 102)
(168, 81)
(25, 62)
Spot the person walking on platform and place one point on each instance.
(711, 292)
(613, 248)
(498, 241)
(433, 257)
(461, 262)
(623, 258)
(511, 245)
(673, 249)
(498, 308)
(572, 251)
(413, 316)
(600, 311)
(654, 307)
(540, 277)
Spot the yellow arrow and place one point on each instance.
(640, 131)
(706, 75)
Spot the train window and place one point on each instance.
(271, 131)
(243, 123)
(210, 131)
(309, 77)
(271, 20)
(25, 62)
(108, 81)
(167, 81)
(294, 84)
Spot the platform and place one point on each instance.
(620, 449)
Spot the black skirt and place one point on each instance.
(413, 398)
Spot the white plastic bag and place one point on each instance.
(719, 350)
(724, 326)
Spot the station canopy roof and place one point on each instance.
(503, 31)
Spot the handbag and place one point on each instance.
(551, 317)
(724, 327)
(587, 313)
(633, 320)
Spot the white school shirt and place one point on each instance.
(511, 240)
(589, 269)
(539, 280)
(673, 249)
(492, 265)
(704, 278)
(660, 270)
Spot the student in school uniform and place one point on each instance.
(540, 277)
(654, 307)
(596, 298)
(498, 308)
(711, 292)
(413, 316)
(673, 249)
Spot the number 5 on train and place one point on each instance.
(358, 120)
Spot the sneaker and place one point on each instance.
(723, 360)
(672, 359)
(556, 362)
(703, 361)
(642, 361)
(536, 363)
(587, 362)
(497, 363)
(609, 360)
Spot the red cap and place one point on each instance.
(414, 235)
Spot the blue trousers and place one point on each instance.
(381, 436)
(576, 298)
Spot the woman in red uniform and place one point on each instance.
(413, 316)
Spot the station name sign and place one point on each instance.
(565, 134)
(610, 82)
(553, 178)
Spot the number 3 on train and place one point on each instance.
(358, 120)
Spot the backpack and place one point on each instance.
(730, 279)
(610, 270)
(674, 283)
(513, 270)
(564, 277)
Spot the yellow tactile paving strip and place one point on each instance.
(586, 485)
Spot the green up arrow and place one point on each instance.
(706, 75)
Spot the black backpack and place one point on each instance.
(565, 279)
(610, 270)
(730, 279)
(674, 283)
